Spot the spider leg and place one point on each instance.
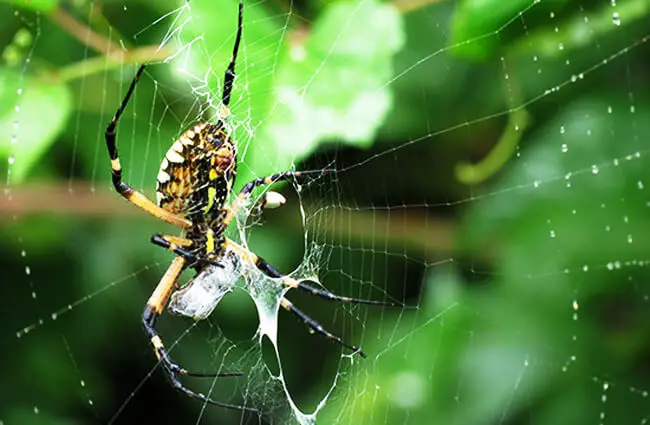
(270, 271)
(245, 192)
(229, 77)
(178, 246)
(290, 282)
(122, 187)
(153, 309)
(317, 327)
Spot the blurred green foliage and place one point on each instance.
(530, 283)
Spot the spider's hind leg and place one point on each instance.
(152, 311)
(317, 327)
(288, 281)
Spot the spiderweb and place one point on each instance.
(486, 169)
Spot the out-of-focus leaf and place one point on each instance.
(477, 24)
(328, 86)
(24, 142)
(333, 85)
(581, 30)
(40, 5)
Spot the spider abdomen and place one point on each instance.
(197, 172)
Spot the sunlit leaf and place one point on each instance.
(477, 26)
(24, 142)
(333, 84)
(40, 5)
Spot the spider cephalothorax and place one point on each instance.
(193, 186)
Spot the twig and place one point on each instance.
(83, 33)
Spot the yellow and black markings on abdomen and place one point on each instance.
(197, 172)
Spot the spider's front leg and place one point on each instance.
(271, 199)
(152, 311)
(121, 186)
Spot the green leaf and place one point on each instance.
(23, 142)
(40, 5)
(477, 24)
(332, 85)
(583, 29)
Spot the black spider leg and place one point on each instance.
(273, 178)
(317, 327)
(192, 259)
(122, 187)
(229, 77)
(271, 271)
(248, 188)
(155, 306)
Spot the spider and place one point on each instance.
(194, 183)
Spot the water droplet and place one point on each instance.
(629, 238)
(609, 109)
(594, 169)
(36, 409)
(28, 270)
(562, 130)
(632, 109)
(11, 160)
(552, 15)
(585, 268)
(565, 148)
(575, 304)
(54, 316)
(552, 233)
(640, 184)
(23, 253)
(560, 46)
(616, 19)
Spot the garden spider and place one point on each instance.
(194, 182)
